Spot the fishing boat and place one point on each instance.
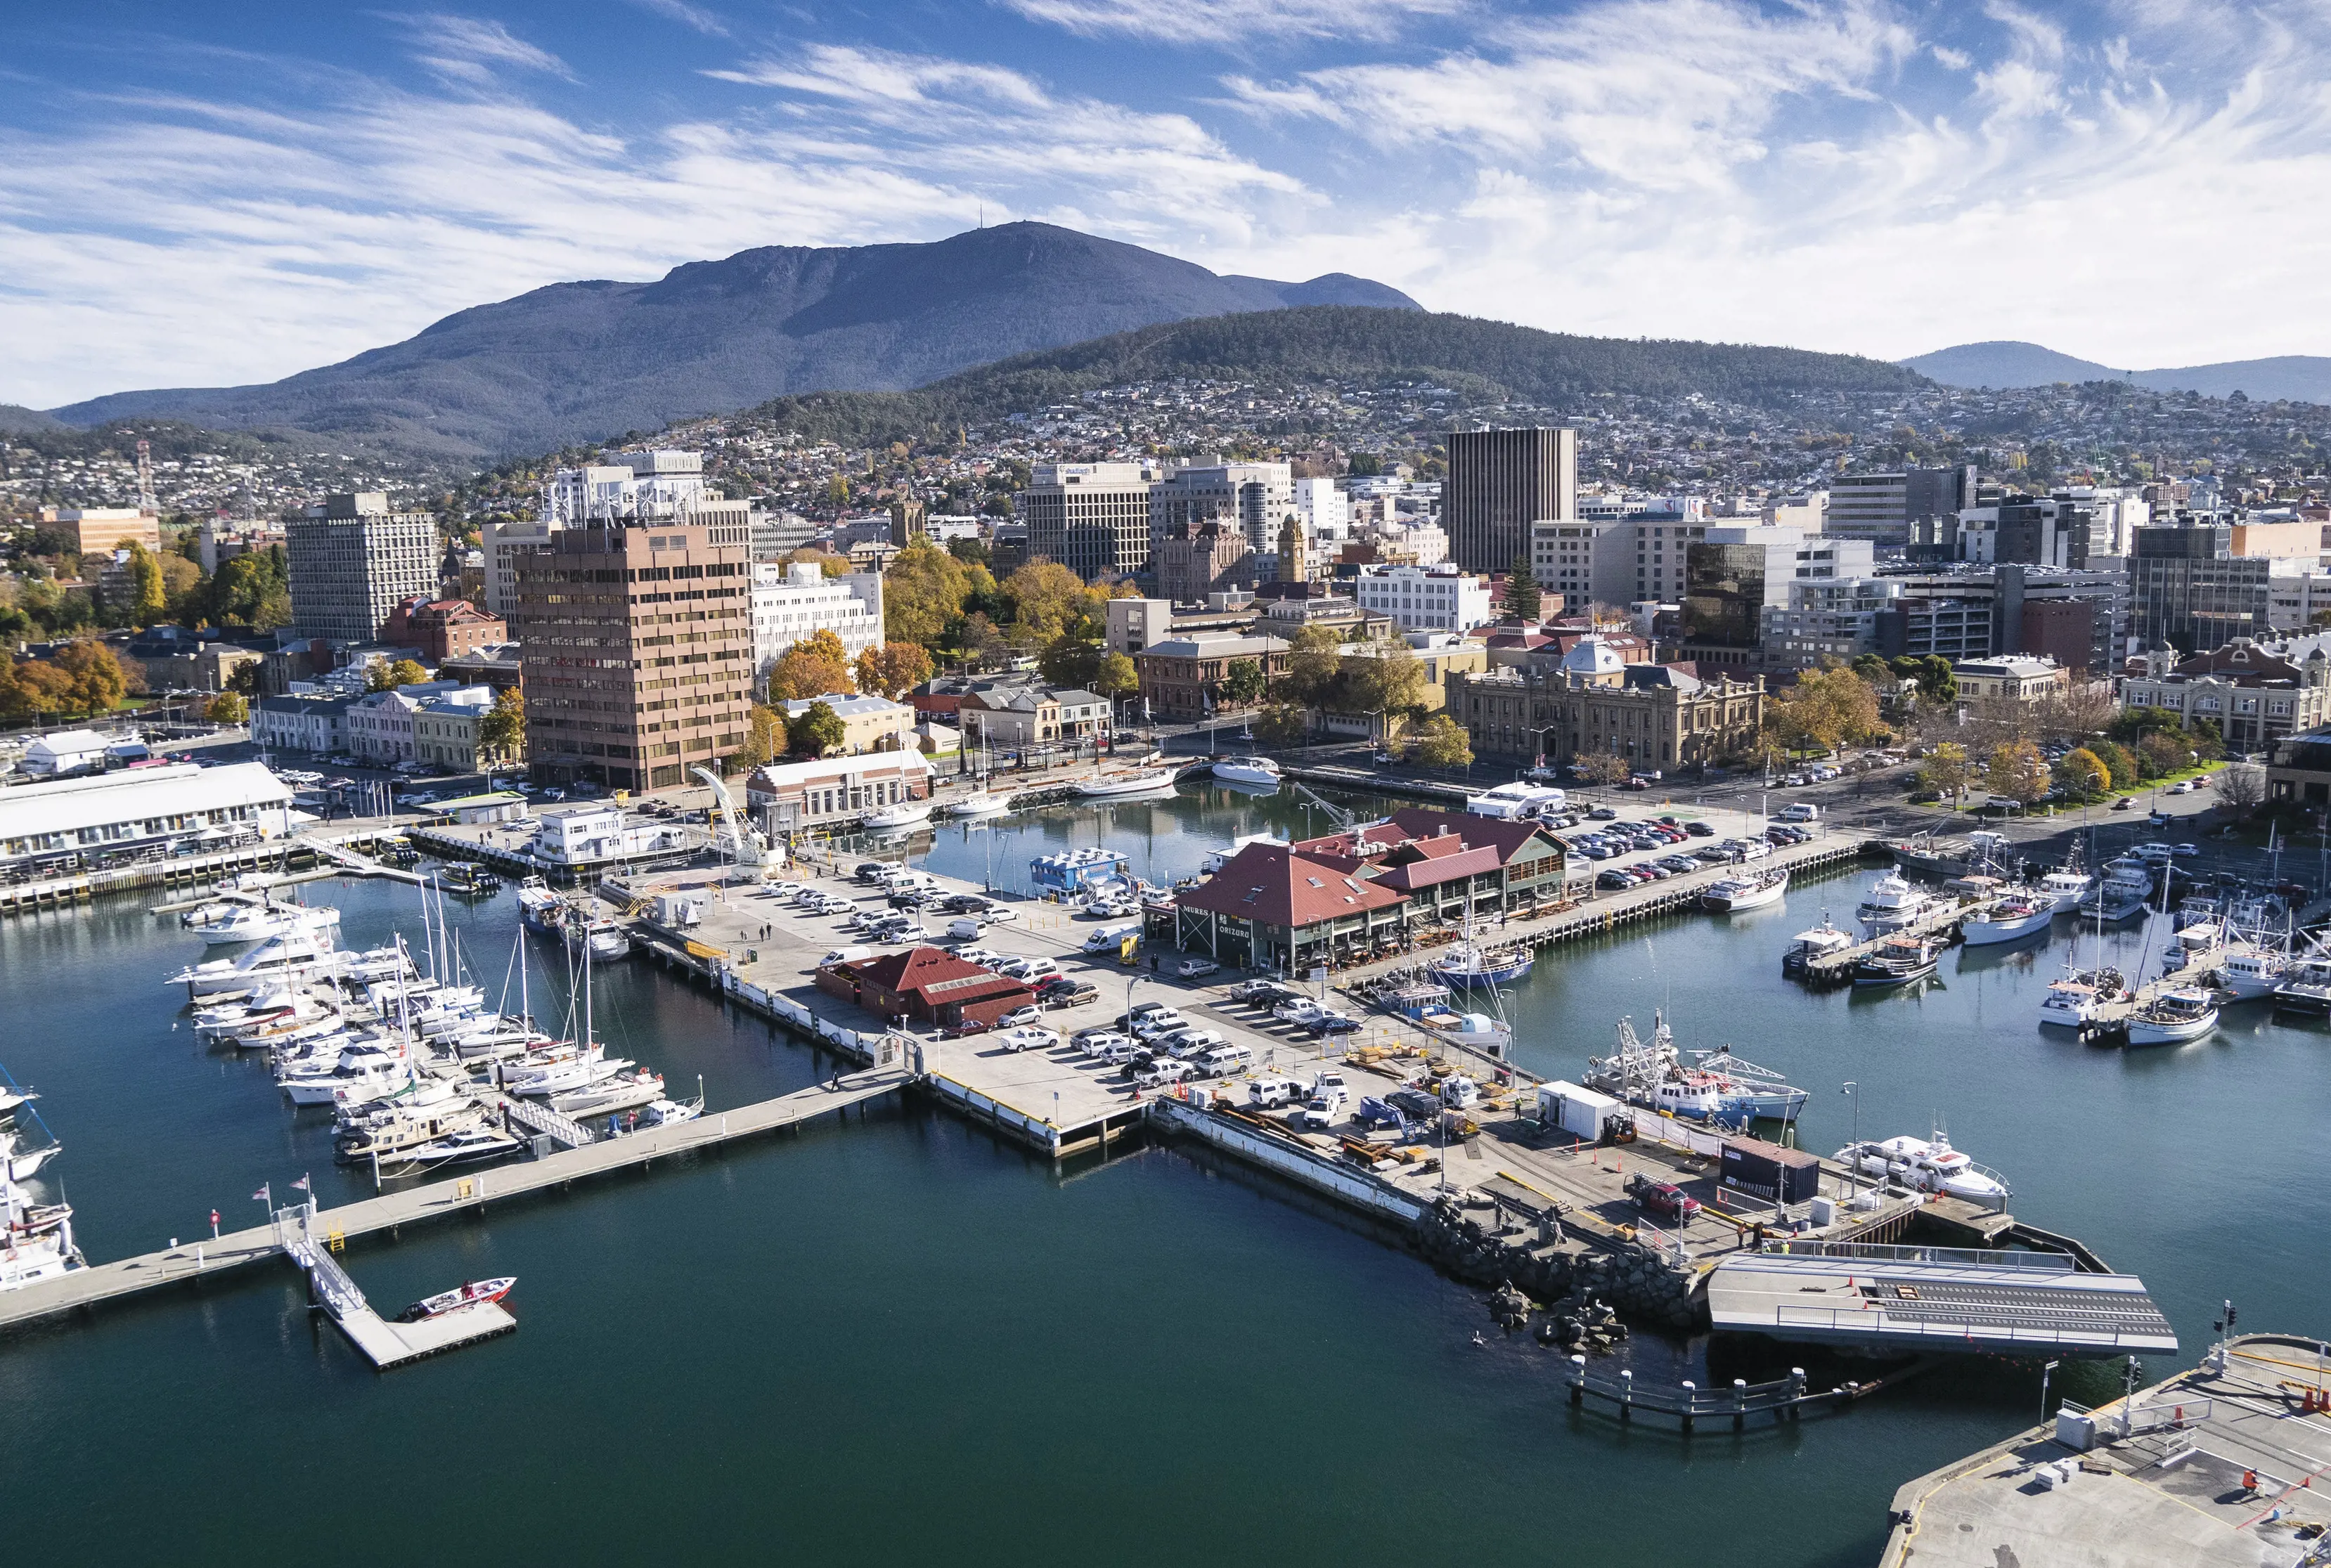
(2252, 976)
(1897, 961)
(2067, 886)
(2012, 916)
(1752, 890)
(1470, 964)
(606, 939)
(461, 877)
(476, 1293)
(2304, 986)
(2181, 1013)
(537, 905)
(1748, 1089)
(1925, 1165)
(2075, 997)
(980, 805)
(1138, 784)
(1892, 902)
(1253, 771)
(894, 817)
(1716, 1087)
(2125, 889)
(1818, 943)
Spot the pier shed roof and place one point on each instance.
(1273, 886)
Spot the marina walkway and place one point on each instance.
(437, 1200)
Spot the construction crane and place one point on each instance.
(1345, 821)
(747, 847)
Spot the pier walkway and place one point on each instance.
(385, 1344)
(439, 1200)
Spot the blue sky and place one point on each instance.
(216, 193)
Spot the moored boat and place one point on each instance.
(2074, 998)
(1470, 964)
(1892, 902)
(905, 814)
(476, 1293)
(1925, 1165)
(1897, 961)
(2182, 1013)
(1254, 772)
(1818, 943)
(2011, 917)
(1137, 784)
(980, 804)
(1752, 890)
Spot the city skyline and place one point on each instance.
(201, 201)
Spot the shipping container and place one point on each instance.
(1769, 1171)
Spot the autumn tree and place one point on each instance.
(894, 668)
(815, 666)
(2160, 753)
(184, 589)
(381, 675)
(228, 707)
(924, 592)
(147, 595)
(1388, 683)
(501, 729)
(1827, 708)
(1048, 600)
(2018, 770)
(816, 731)
(1601, 767)
(97, 683)
(830, 564)
(1948, 770)
(1441, 742)
(765, 740)
(2083, 774)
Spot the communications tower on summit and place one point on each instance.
(146, 501)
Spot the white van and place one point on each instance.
(1109, 938)
(964, 929)
(1798, 811)
(1160, 1073)
(845, 956)
(912, 882)
(1270, 1093)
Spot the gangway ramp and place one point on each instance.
(1929, 1299)
(383, 1343)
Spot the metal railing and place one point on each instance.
(1876, 1252)
(1878, 1321)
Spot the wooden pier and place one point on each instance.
(439, 1200)
(1941, 924)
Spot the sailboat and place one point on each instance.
(2074, 998)
(2177, 1015)
(1469, 963)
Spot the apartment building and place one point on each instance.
(1425, 599)
(1501, 481)
(351, 562)
(1135, 623)
(791, 604)
(1880, 509)
(638, 650)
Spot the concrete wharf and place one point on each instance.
(459, 1195)
(2214, 1468)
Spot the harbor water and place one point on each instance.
(894, 1336)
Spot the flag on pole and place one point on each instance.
(300, 1185)
(266, 1194)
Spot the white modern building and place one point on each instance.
(570, 837)
(1832, 616)
(64, 751)
(797, 602)
(179, 805)
(662, 483)
(1438, 598)
(1325, 513)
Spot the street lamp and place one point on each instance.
(1853, 1165)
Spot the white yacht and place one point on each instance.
(273, 963)
(1520, 798)
(2011, 917)
(2185, 1012)
(258, 922)
(1925, 1165)
(1254, 772)
(2075, 998)
(2066, 886)
(1892, 902)
(905, 814)
(21, 1162)
(1748, 890)
(981, 804)
(1139, 783)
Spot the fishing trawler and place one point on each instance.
(1818, 943)
(1892, 902)
(1750, 891)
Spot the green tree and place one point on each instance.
(1937, 682)
(1243, 681)
(1069, 660)
(228, 707)
(1315, 662)
(1388, 683)
(1280, 723)
(1523, 601)
(147, 595)
(924, 592)
(2133, 724)
(2206, 740)
(501, 729)
(815, 730)
(1117, 678)
(252, 591)
(1441, 742)
(816, 666)
(1877, 672)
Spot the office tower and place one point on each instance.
(638, 653)
(352, 561)
(1090, 517)
(1501, 481)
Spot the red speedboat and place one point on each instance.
(476, 1293)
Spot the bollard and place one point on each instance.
(1690, 1393)
(1797, 1388)
(1739, 1402)
(1626, 1394)
(1577, 1380)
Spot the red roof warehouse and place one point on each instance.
(926, 983)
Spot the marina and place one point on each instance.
(1487, 1182)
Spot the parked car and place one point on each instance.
(1270, 1093)
(1193, 968)
(1020, 1018)
(1158, 1074)
(1700, 830)
(1330, 1022)
(1028, 1038)
(1614, 880)
(966, 1026)
(1664, 1199)
(1071, 995)
(1115, 1050)
(1324, 1108)
(1156, 1025)
(1101, 1039)
(1301, 1011)
(1602, 814)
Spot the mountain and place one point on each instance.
(15, 419)
(2297, 377)
(584, 361)
(1485, 362)
(2007, 364)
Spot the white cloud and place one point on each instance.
(462, 48)
(1220, 22)
(686, 15)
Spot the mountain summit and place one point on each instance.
(2299, 377)
(583, 361)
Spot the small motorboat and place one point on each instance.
(476, 1293)
(1258, 773)
(1925, 1165)
(1818, 943)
